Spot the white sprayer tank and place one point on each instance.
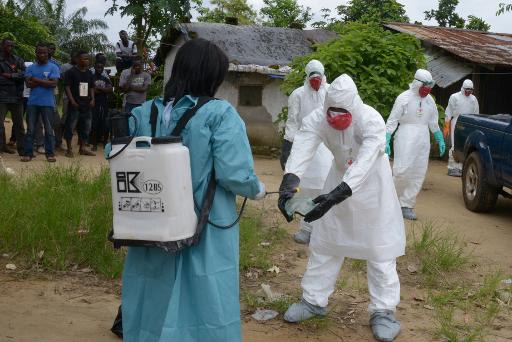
(152, 190)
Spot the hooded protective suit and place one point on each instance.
(301, 103)
(416, 115)
(459, 104)
(368, 225)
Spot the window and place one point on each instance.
(250, 95)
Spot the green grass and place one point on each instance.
(252, 234)
(465, 313)
(438, 252)
(63, 212)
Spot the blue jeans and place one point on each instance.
(80, 118)
(33, 114)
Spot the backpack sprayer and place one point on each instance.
(152, 192)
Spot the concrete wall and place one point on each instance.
(258, 120)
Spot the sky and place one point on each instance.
(414, 8)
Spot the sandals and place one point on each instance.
(51, 158)
(26, 158)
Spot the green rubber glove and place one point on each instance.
(388, 146)
(440, 141)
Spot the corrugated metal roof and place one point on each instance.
(250, 44)
(475, 46)
(446, 70)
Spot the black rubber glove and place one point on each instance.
(288, 188)
(285, 152)
(326, 202)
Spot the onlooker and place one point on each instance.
(126, 51)
(41, 78)
(12, 69)
(79, 85)
(102, 88)
(63, 69)
(134, 82)
(55, 119)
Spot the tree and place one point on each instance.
(25, 31)
(478, 24)
(445, 14)
(283, 13)
(222, 9)
(503, 7)
(68, 32)
(372, 11)
(151, 18)
(381, 63)
(327, 19)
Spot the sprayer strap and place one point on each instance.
(182, 122)
(206, 206)
(153, 118)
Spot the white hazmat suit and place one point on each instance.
(368, 225)
(416, 115)
(459, 103)
(302, 102)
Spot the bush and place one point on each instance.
(381, 63)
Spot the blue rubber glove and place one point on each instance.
(388, 146)
(440, 141)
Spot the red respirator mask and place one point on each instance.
(315, 82)
(424, 91)
(468, 92)
(339, 120)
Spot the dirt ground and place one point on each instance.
(80, 307)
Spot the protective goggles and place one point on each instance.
(314, 74)
(429, 84)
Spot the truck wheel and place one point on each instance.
(479, 196)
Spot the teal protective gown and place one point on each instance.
(193, 295)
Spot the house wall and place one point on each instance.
(258, 119)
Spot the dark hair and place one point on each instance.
(50, 44)
(81, 52)
(100, 58)
(41, 45)
(122, 31)
(5, 40)
(198, 70)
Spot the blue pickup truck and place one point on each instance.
(483, 143)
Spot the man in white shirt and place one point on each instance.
(125, 50)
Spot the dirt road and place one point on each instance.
(79, 307)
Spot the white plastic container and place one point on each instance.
(152, 191)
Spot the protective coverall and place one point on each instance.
(368, 225)
(462, 102)
(301, 103)
(193, 295)
(416, 115)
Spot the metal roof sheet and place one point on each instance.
(476, 46)
(446, 70)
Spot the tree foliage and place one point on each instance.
(381, 63)
(475, 23)
(25, 31)
(503, 7)
(445, 14)
(372, 11)
(68, 32)
(284, 13)
(219, 10)
(150, 18)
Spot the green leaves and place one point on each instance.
(381, 63)
(283, 13)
